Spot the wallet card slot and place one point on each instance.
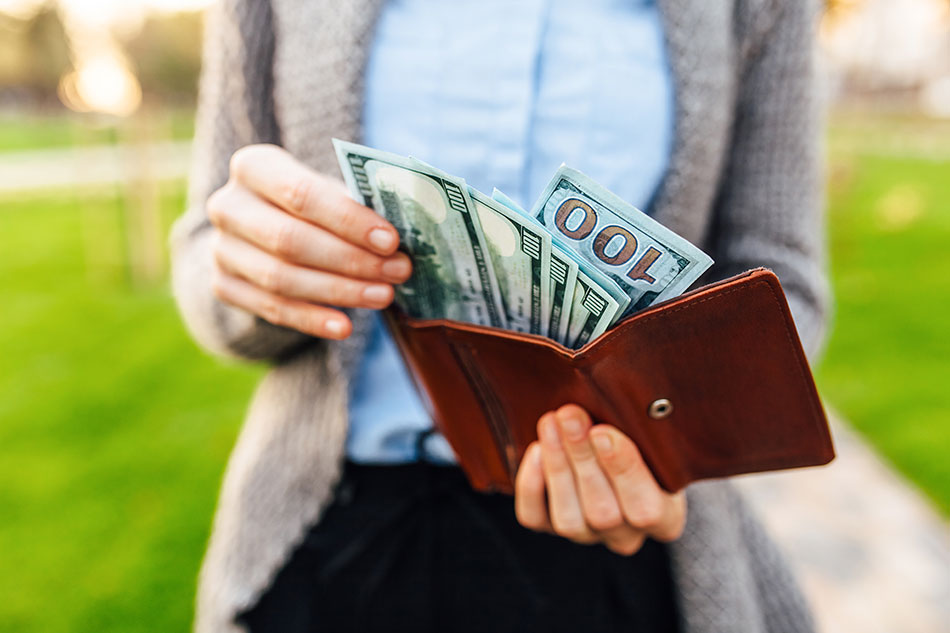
(492, 408)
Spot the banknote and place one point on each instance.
(597, 304)
(650, 262)
(563, 274)
(432, 212)
(520, 251)
(563, 278)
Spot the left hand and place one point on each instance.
(599, 490)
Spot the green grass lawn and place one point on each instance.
(114, 428)
(887, 365)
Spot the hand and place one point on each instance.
(599, 490)
(290, 245)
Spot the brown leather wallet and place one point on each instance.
(709, 384)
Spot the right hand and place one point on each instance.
(291, 246)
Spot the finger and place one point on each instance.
(245, 260)
(597, 498)
(644, 504)
(564, 508)
(625, 540)
(236, 210)
(530, 504)
(305, 317)
(276, 175)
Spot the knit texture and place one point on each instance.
(743, 182)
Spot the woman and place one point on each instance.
(341, 509)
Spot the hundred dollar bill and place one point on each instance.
(597, 304)
(563, 275)
(564, 272)
(520, 250)
(591, 302)
(649, 261)
(452, 275)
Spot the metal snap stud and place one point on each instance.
(659, 409)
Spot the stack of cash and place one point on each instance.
(569, 269)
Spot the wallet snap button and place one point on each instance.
(660, 408)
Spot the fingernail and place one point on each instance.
(572, 428)
(549, 434)
(397, 269)
(376, 293)
(335, 327)
(603, 443)
(382, 239)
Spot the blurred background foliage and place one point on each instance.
(114, 427)
(34, 54)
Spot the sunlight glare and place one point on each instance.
(102, 84)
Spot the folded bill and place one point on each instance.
(520, 250)
(597, 304)
(563, 274)
(649, 261)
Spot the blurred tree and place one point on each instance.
(166, 53)
(34, 54)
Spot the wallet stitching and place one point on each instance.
(602, 340)
(688, 302)
(688, 298)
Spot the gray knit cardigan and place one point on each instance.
(743, 182)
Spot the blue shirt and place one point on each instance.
(501, 93)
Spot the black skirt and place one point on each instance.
(414, 548)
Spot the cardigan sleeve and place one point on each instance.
(235, 108)
(770, 206)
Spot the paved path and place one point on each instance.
(94, 165)
(872, 554)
